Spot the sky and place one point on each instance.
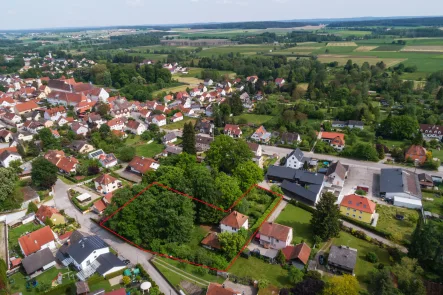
(31, 14)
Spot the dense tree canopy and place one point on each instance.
(44, 173)
(8, 199)
(325, 221)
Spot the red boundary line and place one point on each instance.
(203, 202)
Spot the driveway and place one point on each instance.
(124, 249)
(277, 211)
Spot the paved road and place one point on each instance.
(124, 249)
(282, 152)
(277, 211)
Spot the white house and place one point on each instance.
(135, 127)
(159, 120)
(296, 159)
(234, 222)
(116, 124)
(401, 186)
(106, 183)
(275, 236)
(79, 128)
(55, 113)
(208, 82)
(7, 157)
(177, 117)
(336, 175)
(12, 118)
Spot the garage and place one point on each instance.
(407, 203)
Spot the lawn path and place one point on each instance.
(181, 272)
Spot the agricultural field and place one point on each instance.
(243, 49)
(365, 48)
(344, 33)
(341, 44)
(343, 59)
(425, 48)
(390, 47)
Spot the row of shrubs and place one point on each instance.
(264, 215)
(155, 290)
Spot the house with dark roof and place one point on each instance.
(431, 131)
(204, 126)
(169, 138)
(88, 254)
(290, 138)
(296, 159)
(342, 258)
(233, 222)
(337, 174)
(6, 157)
(203, 142)
(401, 186)
(350, 124)
(39, 261)
(258, 153)
(425, 180)
(297, 255)
(81, 146)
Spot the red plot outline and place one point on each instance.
(203, 202)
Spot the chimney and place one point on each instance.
(235, 213)
(35, 241)
(223, 286)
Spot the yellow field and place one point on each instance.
(428, 48)
(171, 89)
(372, 60)
(342, 44)
(365, 48)
(301, 48)
(189, 80)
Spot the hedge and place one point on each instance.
(61, 289)
(114, 274)
(264, 215)
(367, 227)
(426, 190)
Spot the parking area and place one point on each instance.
(363, 176)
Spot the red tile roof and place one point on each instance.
(416, 151)
(335, 137)
(105, 179)
(141, 164)
(32, 242)
(359, 203)
(212, 241)
(121, 291)
(234, 220)
(275, 230)
(26, 106)
(45, 212)
(217, 289)
(100, 205)
(234, 129)
(67, 164)
(300, 251)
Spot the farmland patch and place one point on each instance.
(423, 48)
(342, 44)
(365, 48)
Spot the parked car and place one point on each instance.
(321, 260)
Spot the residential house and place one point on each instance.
(97, 95)
(63, 121)
(37, 240)
(12, 119)
(336, 174)
(65, 164)
(258, 153)
(107, 160)
(275, 236)
(203, 142)
(169, 138)
(252, 79)
(350, 124)
(342, 258)
(45, 213)
(55, 113)
(400, 186)
(211, 241)
(261, 135)
(95, 120)
(290, 138)
(29, 195)
(336, 140)
(135, 127)
(79, 128)
(96, 154)
(106, 183)
(33, 126)
(172, 150)
(116, 124)
(204, 126)
(141, 165)
(88, 254)
(7, 101)
(6, 157)
(296, 159)
(425, 180)
(39, 261)
(280, 82)
(66, 99)
(5, 136)
(217, 289)
(233, 131)
(297, 255)
(416, 153)
(358, 207)
(233, 222)
(208, 82)
(177, 117)
(25, 107)
(81, 146)
(159, 120)
(432, 131)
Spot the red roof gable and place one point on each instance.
(359, 203)
(32, 242)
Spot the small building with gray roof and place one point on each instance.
(400, 184)
(342, 258)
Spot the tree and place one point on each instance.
(232, 243)
(226, 154)
(102, 109)
(49, 142)
(16, 166)
(439, 96)
(295, 275)
(248, 174)
(342, 285)
(189, 139)
(325, 221)
(44, 173)
(371, 257)
(398, 127)
(408, 274)
(305, 165)
(32, 208)
(126, 153)
(309, 286)
(126, 280)
(280, 258)
(236, 104)
(8, 177)
(381, 151)
(228, 189)
(380, 283)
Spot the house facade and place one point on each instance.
(233, 222)
(106, 183)
(275, 236)
(358, 207)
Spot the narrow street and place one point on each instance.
(124, 249)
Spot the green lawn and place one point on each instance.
(437, 153)
(363, 267)
(258, 269)
(149, 150)
(17, 232)
(254, 118)
(179, 124)
(435, 206)
(133, 139)
(401, 230)
(299, 220)
(392, 143)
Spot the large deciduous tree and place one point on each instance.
(8, 200)
(325, 220)
(231, 243)
(399, 127)
(44, 173)
(381, 283)
(342, 285)
(48, 140)
(189, 139)
(248, 174)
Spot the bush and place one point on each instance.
(360, 192)
(126, 280)
(32, 208)
(372, 257)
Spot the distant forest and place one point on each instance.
(251, 25)
(405, 22)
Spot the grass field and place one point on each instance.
(363, 267)
(249, 50)
(341, 44)
(425, 48)
(391, 47)
(434, 206)
(299, 220)
(179, 124)
(171, 89)
(149, 150)
(342, 60)
(258, 269)
(401, 230)
(254, 118)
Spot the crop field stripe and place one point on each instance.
(203, 202)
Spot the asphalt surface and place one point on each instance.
(124, 249)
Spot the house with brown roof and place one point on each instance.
(37, 240)
(159, 120)
(25, 107)
(261, 135)
(217, 289)
(211, 241)
(141, 165)
(79, 128)
(116, 124)
(233, 222)
(135, 127)
(233, 131)
(416, 153)
(335, 139)
(106, 183)
(177, 117)
(63, 163)
(5, 136)
(12, 118)
(275, 236)
(55, 113)
(432, 131)
(297, 255)
(49, 213)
